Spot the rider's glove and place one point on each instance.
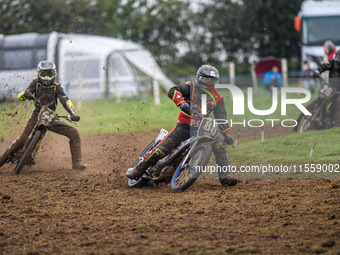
(75, 117)
(185, 107)
(21, 96)
(29, 95)
(229, 140)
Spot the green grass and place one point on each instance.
(100, 116)
(291, 148)
(140, 114)
(108, 116)
(130, 115)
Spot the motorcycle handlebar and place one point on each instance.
(68, 118)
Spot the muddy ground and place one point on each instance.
(52, 209)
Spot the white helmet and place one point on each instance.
(47, 72)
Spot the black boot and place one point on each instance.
(228, 181)
(140, 169)
(224, 177)
(77, 162)
(78, 165)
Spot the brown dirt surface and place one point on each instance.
(52, 209)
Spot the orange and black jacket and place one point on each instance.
(48, 95)
(190, 93)
(334, 73)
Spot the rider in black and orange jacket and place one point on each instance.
(46, 91)
(185, 96)
(333, 66)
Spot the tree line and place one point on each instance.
(180, 35)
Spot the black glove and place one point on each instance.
(75, 117)
(229, 140)
(185, 107)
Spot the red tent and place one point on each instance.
(266, 64)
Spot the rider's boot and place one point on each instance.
(78, 165)
(224, 177)
(77, 162)
(149, 160)
(136, 172)
(228, 181)
(222, 160)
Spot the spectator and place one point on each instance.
(272, 79)
(329, 49)
(307, 77)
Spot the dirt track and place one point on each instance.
(50, 208)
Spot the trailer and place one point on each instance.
(89, 66)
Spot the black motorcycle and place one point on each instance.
(26, 155)
(183, 165)
(322, 110)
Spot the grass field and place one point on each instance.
(140, 114)
(293, 147)
(136, 114)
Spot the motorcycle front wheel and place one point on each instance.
(28, 152)
(303, 122)
(190, 168)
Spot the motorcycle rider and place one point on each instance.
(46, 91)
(184, 96)
(333, 66)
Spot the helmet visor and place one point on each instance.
(211, 81)
(46, 73)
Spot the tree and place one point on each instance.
(240, 29)
(180, 38)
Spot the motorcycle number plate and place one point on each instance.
(326, 91)
(208, 127)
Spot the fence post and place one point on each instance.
(253, 75)
(80, 90)
(232, 72)
(155, 86)
(117, 85)
(156, 92)
(284, 66)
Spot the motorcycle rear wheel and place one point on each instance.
(28, 152)
(186, 173)
(136, 183)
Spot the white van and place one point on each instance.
(318, 21)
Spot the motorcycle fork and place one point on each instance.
(317, 112)
(189, 152)
(37, 147)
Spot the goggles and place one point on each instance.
(47, 73)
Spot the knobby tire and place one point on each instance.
(28, 152)
(205, 151)
(302, 120)
(141, 181)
